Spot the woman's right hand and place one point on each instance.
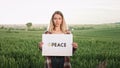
(40, 45)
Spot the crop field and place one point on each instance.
(98, 45)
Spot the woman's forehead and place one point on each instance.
(57, 15)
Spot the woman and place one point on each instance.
(58, 26)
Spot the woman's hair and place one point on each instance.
(63, 25)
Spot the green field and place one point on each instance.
(97, 44)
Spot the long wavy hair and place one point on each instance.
(63, 25)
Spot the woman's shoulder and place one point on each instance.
(47, 32)
(68, 32)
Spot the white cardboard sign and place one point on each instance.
(57, 44)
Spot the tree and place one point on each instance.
(29, 25)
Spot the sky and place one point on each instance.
(74, 11)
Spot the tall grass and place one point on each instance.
(19, 48)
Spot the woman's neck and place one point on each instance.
(57, 30)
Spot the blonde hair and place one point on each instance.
(63, 26)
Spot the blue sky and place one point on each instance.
(74, 11)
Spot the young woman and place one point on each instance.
(58, 26)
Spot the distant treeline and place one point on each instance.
(72, 27)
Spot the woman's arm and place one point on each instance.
(40, 45)
(75, 46)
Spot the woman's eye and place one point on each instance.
(55, 18)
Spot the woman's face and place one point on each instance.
(57, 19)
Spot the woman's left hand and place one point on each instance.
(75, 45)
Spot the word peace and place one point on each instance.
(57, 44)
